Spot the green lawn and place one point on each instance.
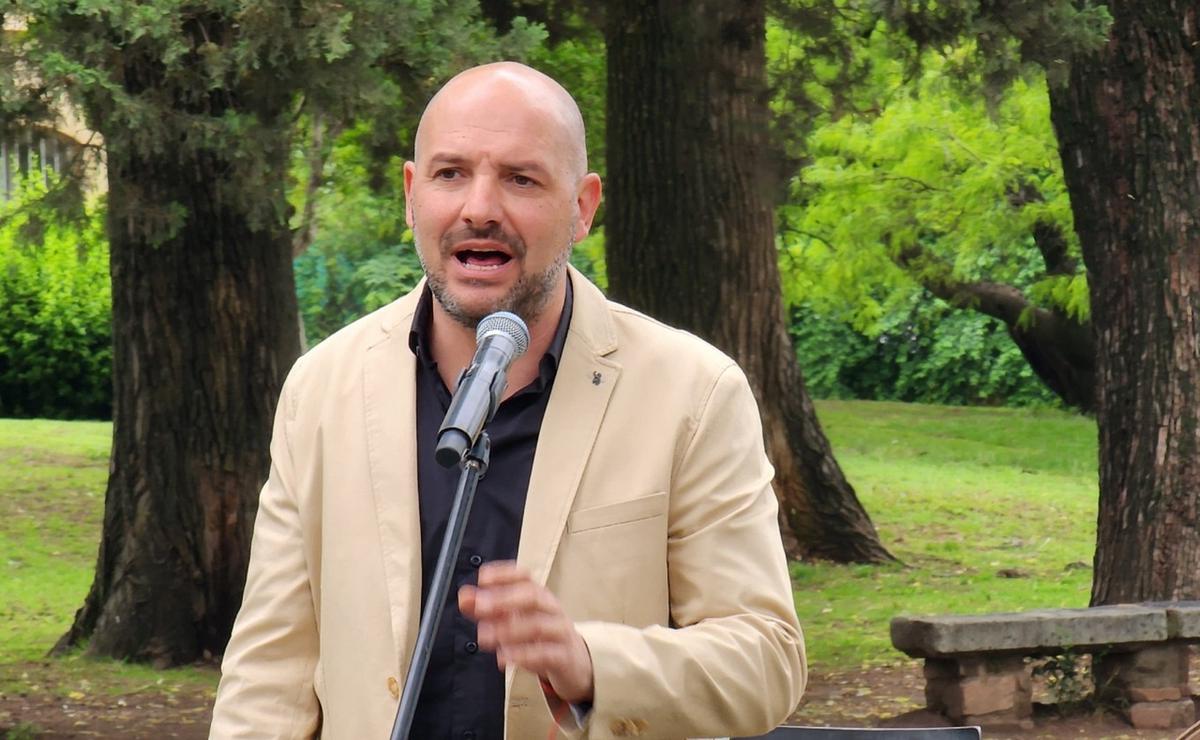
(958, 495)
(52, 475)
(52, 479)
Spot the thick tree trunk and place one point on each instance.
(690, 233)
(204, 330)
(1129, 132)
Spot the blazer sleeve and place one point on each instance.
(267, 673)
(732, 662)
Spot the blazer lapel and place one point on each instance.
(389, 399)
(582, 387)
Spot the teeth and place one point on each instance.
(482, 268)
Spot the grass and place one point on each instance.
(965, 498)
(52, 480)
(52, 474)
(959, 495)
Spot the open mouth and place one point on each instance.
(482, 259)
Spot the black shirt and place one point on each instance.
(462, 697)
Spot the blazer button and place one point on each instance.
(393, 687)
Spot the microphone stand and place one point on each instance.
(474, 465)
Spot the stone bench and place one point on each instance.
(977, 672)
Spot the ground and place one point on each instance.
(889, 695)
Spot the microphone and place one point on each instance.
(500, 338)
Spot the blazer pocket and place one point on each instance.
(621, 512)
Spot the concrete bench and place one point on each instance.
(977, 669)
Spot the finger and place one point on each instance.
(466, 601)
(485, 635)
(516, 629)
(540, 628)
(494, 602)
(502, 573)
(540, 658)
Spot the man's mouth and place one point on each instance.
(482, 259)
(482, 254)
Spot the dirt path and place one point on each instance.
(894, 696)
(885, 696)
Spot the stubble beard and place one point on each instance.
(527, 297)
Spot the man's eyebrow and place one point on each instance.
(446, 158)
(525, 166)
(522, 166)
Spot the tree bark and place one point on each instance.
(204, 330)
(1128, 125)
(690, 233)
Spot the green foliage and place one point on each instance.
(362, 256)
(1068, 677)
(816, 67)
(937, 171)
(23, 731)
(181, 81)
(998, 41)
(588, 257)
(924, 351)
(55, 346)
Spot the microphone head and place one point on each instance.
(507, 324)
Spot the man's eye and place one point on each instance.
(523, 181)
(445, 174)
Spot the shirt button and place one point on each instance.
(476, 560)
(472, 647)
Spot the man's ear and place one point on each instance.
(410, 169)
(588, 200)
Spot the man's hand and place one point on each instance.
(525, 626)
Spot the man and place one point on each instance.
(649, 594)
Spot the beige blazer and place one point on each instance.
(649, 514)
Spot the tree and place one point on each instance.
(1128, 123)
(1127, 114)
(196, 103)
(690, 233)
(937, 188)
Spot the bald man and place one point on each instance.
(621, 574)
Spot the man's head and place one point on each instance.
(498, 191)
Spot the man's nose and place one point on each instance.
(482, 205)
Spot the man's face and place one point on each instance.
(494, 202)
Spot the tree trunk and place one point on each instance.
(1128, 125)
(690, 233)
(204, 330)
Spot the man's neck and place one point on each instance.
(453, 345)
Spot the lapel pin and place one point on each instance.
(596, 378)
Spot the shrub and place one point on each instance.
(55, 330)
(926, 352)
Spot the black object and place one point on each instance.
(865, 733)
(500, 338)
(474, 466)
